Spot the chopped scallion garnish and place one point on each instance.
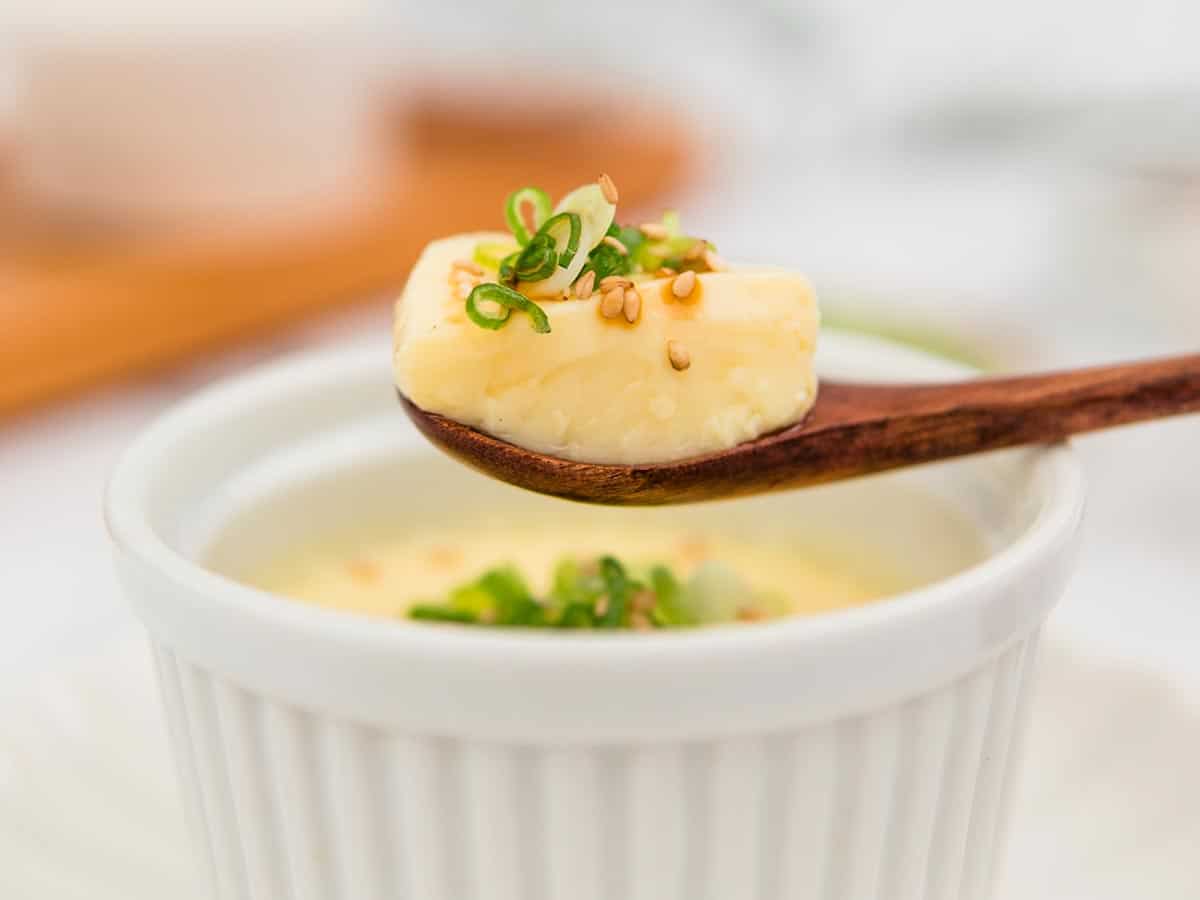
(538, 260)
(669, 609)
(564, 228)
(606, 260)
(512, 602)
(554, 250)
(514, 212)
(619, 588)
(577, 615)
(605, 594)
(508, 268)
(507, 300)
(433, 613)
(491, 254)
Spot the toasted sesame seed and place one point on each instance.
(633, 305)
(714, 262)
(696, 251)
(600, 607)
(608, 188)
(612, 281)
(654, 231)
(442, 557)
(585, 285)
(613, 302)
(678, 355)
(684, 284)
(664, 272)
(363, 571)
(694, 549)
(750, 614)
(616, 244)
(468, 265)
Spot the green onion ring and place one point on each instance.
(508, 300)
(618, 588)
(507, 269)
(491, 254)
(555, 224)
(538, 260)
(512, 211)
(433, 613)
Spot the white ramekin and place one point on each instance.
(860, 755)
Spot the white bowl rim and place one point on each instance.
(1031, 555)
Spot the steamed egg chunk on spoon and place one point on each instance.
(585, 340)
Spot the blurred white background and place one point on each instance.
(1019, 182)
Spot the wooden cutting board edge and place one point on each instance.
(67, 328)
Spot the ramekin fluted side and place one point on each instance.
(904, 803)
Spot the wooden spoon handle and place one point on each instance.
(854, 429)
(884, 426)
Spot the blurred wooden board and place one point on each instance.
(76, 310)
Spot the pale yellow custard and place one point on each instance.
(606, 390)
(384, 577)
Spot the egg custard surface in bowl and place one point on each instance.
(863, 751)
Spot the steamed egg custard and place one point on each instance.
(490, 555)
(581, 578)
(587, 340)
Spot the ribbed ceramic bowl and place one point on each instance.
(863, 755)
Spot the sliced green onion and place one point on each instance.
(521, 611)
(595, 215)
(618, 587)
(508, 300)
(501, 597)
(564, 228)
(566, 583)
(508, 268)
(670, 609)
(538, 260)
(514, 212)
(491, 254)
(577, 615)
(631, 237)
(431, 613)
(511, 599)
(471, 598)
(651, 255)
(570, 585)
(605, 261)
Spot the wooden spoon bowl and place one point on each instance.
(854, 429)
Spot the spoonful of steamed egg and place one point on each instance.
(629, 365)
(587, 341)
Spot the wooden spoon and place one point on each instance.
(854, 429)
